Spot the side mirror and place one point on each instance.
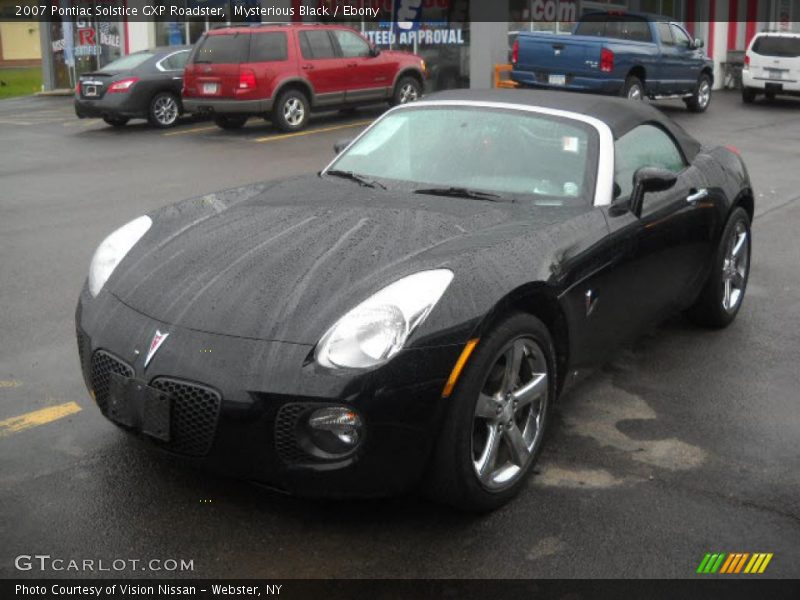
(698, 43)
(341, 145)
(374, 51)
(649, 179)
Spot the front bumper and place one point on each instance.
(240, 107)
(779, 86)
(233, 413)
(110, 105)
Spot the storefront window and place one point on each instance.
(83, 45)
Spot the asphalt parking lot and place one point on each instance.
(685, 443)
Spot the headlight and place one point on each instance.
(113, 249)
(377, 329)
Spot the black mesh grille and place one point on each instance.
(286, 424)
(195, 411)
(103, 364)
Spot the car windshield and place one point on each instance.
(774, 45)
(129, 62)
(507, 153)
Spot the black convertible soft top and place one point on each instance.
(620, 114)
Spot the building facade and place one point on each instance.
(461, 40)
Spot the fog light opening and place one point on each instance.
(334, 431)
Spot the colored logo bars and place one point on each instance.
(734, 563)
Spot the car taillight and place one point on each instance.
(123, 85)
(515, 52)
(606, 60)
(734, 149)
(746, 61)
(78, 88)
(247, 79)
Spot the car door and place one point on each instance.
(689, 60)
(670, 61)
(322, 67)
(656, 257)
(653, 261)
(369, 77)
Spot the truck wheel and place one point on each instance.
(230, 121)
(291, 111)
(701, 97)
(748, 95)
(633, 88)
(408, 89)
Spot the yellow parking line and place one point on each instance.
(275, 138)
(9, 383)
(194, 130)
(37, 417)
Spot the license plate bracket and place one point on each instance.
(134, 404)
(557, 79)
(210, 89)
(90, 90)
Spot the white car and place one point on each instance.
(771, 66)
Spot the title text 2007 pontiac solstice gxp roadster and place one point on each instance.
(409, 315)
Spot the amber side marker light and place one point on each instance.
(454, 374)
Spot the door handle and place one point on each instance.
(697, 195)
(308, 67)
(352, 64)
(178, 77)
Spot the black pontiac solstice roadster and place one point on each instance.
(409, 315)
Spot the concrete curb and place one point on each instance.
(61, 92)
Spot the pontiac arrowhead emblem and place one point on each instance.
(155, 344)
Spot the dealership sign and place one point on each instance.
(554, 10)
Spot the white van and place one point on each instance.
(771, 66)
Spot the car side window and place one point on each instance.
(352, 45)
(644, 146)
(316, 45)
(175, 62)
(681, 39)
(268, 47)
(665, 33)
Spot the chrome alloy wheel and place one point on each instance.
(704, 93)
(734, 267)
(294, 112)
(408, 93)
(165, 110)
(509, 416)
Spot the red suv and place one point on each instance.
(283, 72)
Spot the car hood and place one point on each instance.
(288, 260)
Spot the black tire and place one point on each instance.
(408, 89)
(748, 95)
(116, 121)
(452, 477)
(633, 88)
(291, 111)
(701, 96)
(164, 110)
(709, 310)
(230, 122)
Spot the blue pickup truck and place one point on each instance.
(635, 56)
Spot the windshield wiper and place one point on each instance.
(360, 179)
(461, 192)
